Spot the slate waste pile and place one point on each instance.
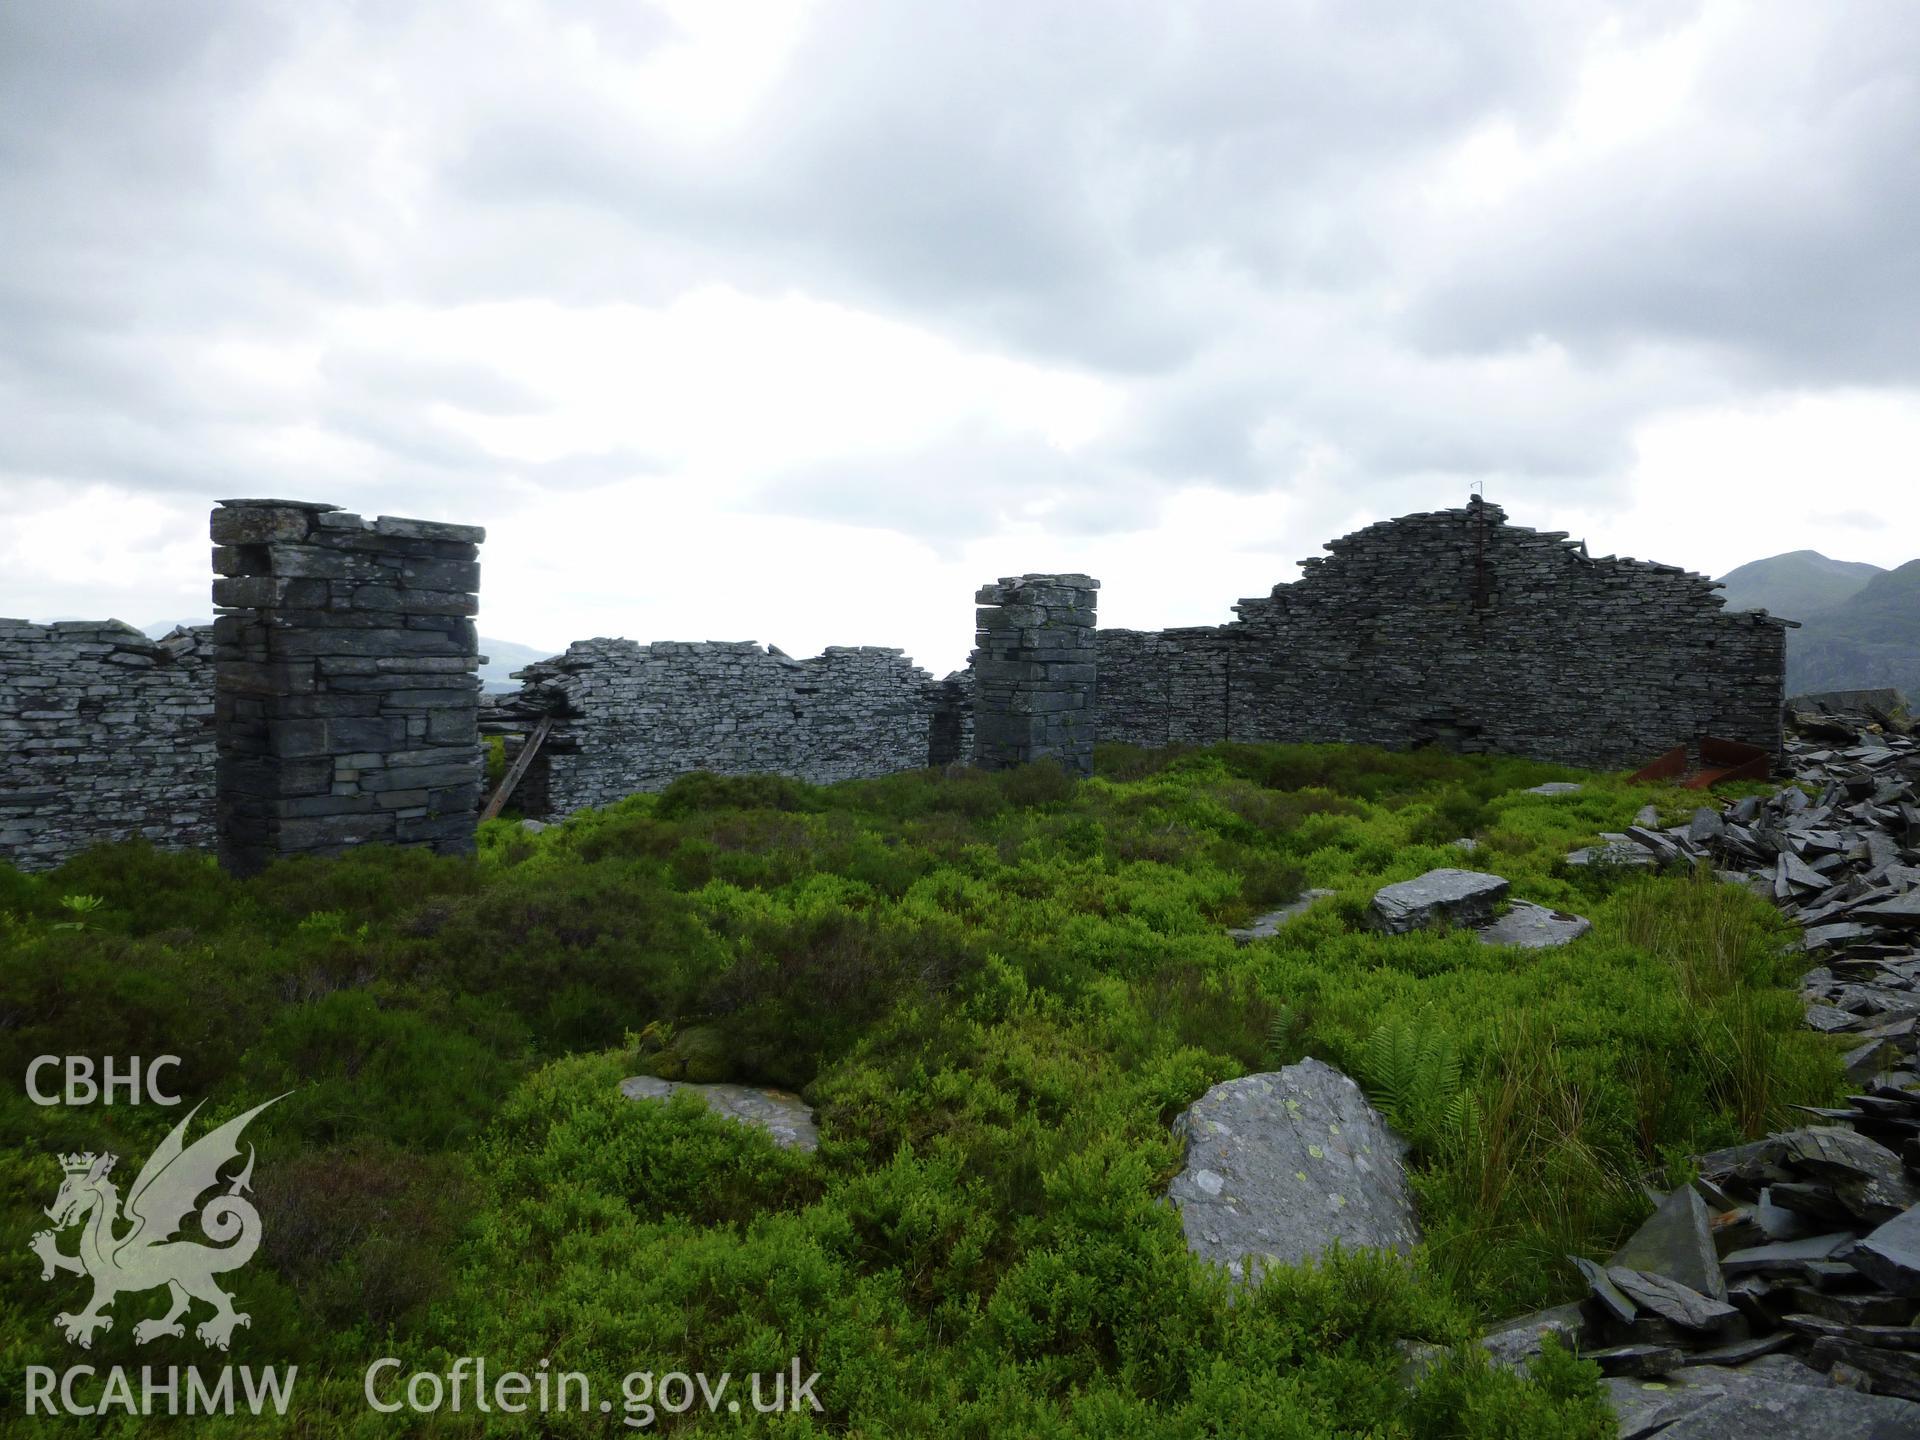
(1843, 863)
(1784, 1283)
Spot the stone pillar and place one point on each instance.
(345, 699)
(1033, 672)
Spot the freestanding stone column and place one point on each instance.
(345, 703)
(1033, 672)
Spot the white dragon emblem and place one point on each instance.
(144, 1256)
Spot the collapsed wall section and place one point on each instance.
(1456, 628)
(104, 735)
(345, 695)
(628, 718)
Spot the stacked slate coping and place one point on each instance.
(104, 735)
(345, 698)
(1033, 672)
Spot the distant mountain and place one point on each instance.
(167, 627)
(1871, 638)
(1796, 585)
(503, 656)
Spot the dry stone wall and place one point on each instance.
(104, 735)
(345, 699)
(1456, 628)
(628, 718)
(349, 712)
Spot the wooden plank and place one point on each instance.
(519, 768)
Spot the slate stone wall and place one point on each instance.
(1033, 672)
(345, 696)
(630, 717)
(1456, 628)
(104, 735)
(950, 732)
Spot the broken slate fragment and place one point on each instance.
(1706, 826)
(1677, 1241)
(1605, 1291)
(1613, 853)
(1671, 1300)
(1784, 1256)
(1901, 910)
(1517, 1341)
(1890, 1256)
(1644, 1359)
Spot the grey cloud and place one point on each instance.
(1781, 235)
(1212, 204)
(966, 486)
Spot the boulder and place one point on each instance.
(787, 1118)
(1281, 1165)
(1459, 897)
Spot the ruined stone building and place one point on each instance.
(1456, 628)
(104, 735)
(630, 717)
(348, 711)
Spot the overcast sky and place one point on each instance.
(796, 321)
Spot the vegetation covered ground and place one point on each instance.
(996, 991)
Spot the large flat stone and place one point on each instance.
(1265, 927)
(1650, 1407)
(1534, 927)
(1614, 853)
(1459, 897)
(1760, 1409)
(787, 1118)
(1280, 1165)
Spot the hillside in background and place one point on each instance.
(1795, 585)
(503, 658)
(1872, 638)
(1860, 625)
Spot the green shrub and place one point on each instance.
(997, 990)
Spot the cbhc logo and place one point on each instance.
(80, 1086)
